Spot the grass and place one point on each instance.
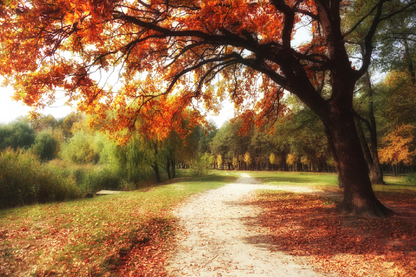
(91, 236)
(296, 178)
(329, 182)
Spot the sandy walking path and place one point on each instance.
(221, 237)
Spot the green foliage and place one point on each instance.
(80, 149)
(43, 123)
(201, 165)
(235, 162)
(45, 146)
(411, 178)
(133, 160)
(102, 177)
(16, 135)
(25, 180)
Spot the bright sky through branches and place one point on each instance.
(10, 110)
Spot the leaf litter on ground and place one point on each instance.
(126, 234)
(310, 226)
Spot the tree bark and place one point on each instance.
(376, 175)
(375, 168)
(359, 197)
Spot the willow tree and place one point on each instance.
(190, 51)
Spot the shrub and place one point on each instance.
(201, 165)
(16, 135)
(101, 177)
(25, 180)
(46, 146)
(411, 178)
(80, 149)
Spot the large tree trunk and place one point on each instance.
(376, 175)
(359, 197)
(374, 166)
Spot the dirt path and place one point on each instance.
(221, 237)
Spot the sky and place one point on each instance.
(10, 110)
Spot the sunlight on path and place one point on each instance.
(221, 237)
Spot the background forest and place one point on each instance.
(48, 159)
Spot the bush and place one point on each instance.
(16, 135)
(25, 180)
(101, 177)
(80, 149)
(46, 146)
(201, 165)
(91, 178)
(411, 178)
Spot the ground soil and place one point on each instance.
(220, 236)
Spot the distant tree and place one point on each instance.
(80, 149)
(45, 146)
(290, 159)
(44, 122)
(399, 146)
(272, 159)
(68, 122)
(17, 134)
(305, 162)
(235, 162)
(247, 160)
(219, 161)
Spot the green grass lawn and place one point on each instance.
(296, 178)
(329, 181)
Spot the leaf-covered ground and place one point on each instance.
(310, 226)
(126, 234)
(130, 234)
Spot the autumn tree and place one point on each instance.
(399, 146)
(235, 162)
(44, 122)
(290, 159)
(272, 159)
(219, 161)
(16, 134)
(248, 160)
(195, 50)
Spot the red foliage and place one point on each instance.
(147, 256)
(310, 226)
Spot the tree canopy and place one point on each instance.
(167, 55)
